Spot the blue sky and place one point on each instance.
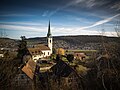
(68, 17)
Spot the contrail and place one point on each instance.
(100, 22)
(73, 2)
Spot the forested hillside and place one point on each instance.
(76, 42)
(66, 42)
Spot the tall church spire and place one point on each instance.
(49, 32)
(50, 39)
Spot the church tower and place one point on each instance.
(50, 39)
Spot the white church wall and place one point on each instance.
(36, 57)
(46, 53)
(50, 42)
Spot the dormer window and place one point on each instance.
(32, 52)
(39, 51)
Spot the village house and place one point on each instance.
(79, 56)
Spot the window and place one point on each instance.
(35, 51)
(50, 41)
(44, 53)
(22, 77)
(48, 53)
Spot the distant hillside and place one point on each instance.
(76, 42)
(82, 38)
(7, 42)
(66, 42)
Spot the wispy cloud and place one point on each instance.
(21, 23)
(81, 3)
(36, 26)
(57, 30)
(16, 15)
(116, 6)
(45, 13)
(76, 31)
(73, 2)
(37, 31)
(23, 28)
(92, 3)
(100, 22)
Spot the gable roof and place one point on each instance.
(35, 51)
(42, 47)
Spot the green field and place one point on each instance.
(83, 51)
(90, 54)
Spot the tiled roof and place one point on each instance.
(42, 47)
(37, 49)
(29, 68)
(34, 51)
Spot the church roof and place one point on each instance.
(35, 51)
(42, 47)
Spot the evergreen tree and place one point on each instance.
(70, 57)
(22, 50)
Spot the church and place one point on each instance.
(40, 51)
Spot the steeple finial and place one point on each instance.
(49, 33)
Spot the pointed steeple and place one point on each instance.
(49, 32)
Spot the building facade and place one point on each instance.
(39, 51)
